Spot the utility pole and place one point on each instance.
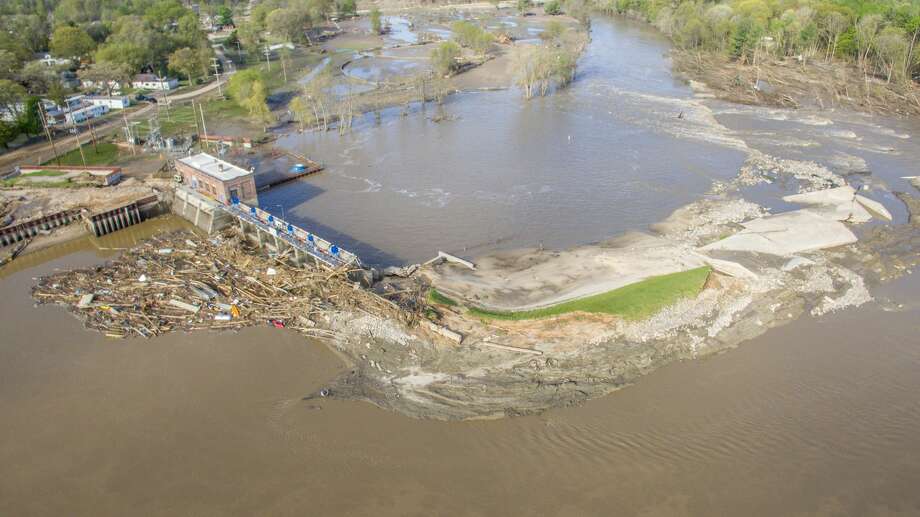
(204, 128)
(166, 101)
(76, 136)
(128, 134)
(268, 52)
(216, 67)
(41, 113)
(195, 118)
(92, 134)
(283, 68)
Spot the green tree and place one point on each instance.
(444, 58)
(189, 62)
(12, 98)
(106, 74)
(376, 25)
(29, 120)
(523, 6)
(347, 8)
(247, 88)
(8, 132)
(71, 42)
(288, 24)
(552, 7)
(224, 15)
(892, 51)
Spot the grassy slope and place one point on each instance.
(107, 154)
(634, 301)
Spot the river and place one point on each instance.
(818, 417)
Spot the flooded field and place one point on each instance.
(620, 149)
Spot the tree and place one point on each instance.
(892, 50)
(288, 24)
(224, 15)
(8, 132)
(188, 62)
(71, 42)
(444, 58)
(301, 110)
(9, 64)
(376, 26)
(29, 120)
(523, 6)
(552, 8)
(12, 98)
(247, 88)
(347, 8)
(834, 25)
(107, 74)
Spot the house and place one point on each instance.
(217, 179)
(116, 102)
(152, 82)
(49, 60)
(114, 86)
(81, 115)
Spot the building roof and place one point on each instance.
(151, 78)
(214, 167)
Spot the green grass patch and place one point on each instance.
(436, 297)
(634, 301)
(46, 173)
(104, 154)
(181, 119)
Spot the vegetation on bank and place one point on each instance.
(880, 36)
(634, 302)
(539, 68)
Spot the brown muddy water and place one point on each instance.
(819, 417)
(621, 148)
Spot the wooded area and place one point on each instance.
(879, 35)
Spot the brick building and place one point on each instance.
(217, 179)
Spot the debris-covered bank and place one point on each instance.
(399, 360)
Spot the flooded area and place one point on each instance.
(576, 167)
(814, 418)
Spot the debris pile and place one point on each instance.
(182, 282)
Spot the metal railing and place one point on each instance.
(303, 240)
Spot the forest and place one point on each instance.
(880, 36)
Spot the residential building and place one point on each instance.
(81, 115)
(49, 60)
(217, 179)
(114, 86)
(116, 102)
(152, 82)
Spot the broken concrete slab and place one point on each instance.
(788, 233)
(874, 206)
(831, 196)
(727, 267)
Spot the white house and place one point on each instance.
(115, 86)
(152, 82)
(49, 60)
(117, 102)
(78, 116)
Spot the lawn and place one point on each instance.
(103, 154)
(182, 120)
(634, 301)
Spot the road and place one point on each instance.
(42, 152)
